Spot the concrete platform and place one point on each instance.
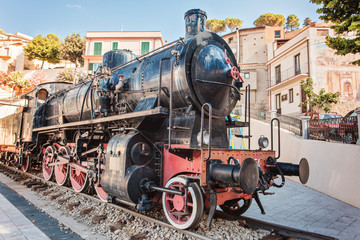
(14, 224)
(300, 207)
(20, 219)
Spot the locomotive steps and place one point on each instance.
(85, 214)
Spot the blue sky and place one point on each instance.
(64, 17)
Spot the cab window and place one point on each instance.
(42, 95)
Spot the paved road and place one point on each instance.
(301, 207)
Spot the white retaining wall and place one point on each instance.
(334, 167)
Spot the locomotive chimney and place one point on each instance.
(195, 20)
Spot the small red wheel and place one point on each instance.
(62, 171)
(79, 179)
(179, 214)
(237, 206)
(26, 165)
(235, 73)
(49, 156)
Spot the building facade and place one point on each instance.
(249, 47)
(305, 54)
(12, 53)
(97, 43)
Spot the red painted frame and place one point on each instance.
(175, 165)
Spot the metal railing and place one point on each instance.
(334, 129)
(288, 73)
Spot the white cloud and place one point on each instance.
(73, 5)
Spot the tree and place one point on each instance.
(72, 49)
(307, 22)
(321, 100)
(216, 25)
(292, 22)
(233, 23)
(269, 19)
(44, 49)
(346, 18)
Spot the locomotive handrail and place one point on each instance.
(160, 78)
(247, 110)
(220, 83)
(272, 134)
(202, 131)
(154, 111)
(171, 100)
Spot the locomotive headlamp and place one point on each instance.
(205, 138)
(263, 142)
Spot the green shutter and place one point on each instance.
(91, 68)
(144, 47)
(115, 45)
(97, 48)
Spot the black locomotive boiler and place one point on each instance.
(151, 127)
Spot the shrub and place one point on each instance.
(3, 77)
(67, 75)
(16, 79)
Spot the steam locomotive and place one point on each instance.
(148, 128)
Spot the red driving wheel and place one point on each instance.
(97, 185)
(26, 163)
(79, 179)
(101, 193)
(62, 171)
(48, 157)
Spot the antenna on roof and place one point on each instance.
(122, 28)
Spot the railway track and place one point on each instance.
(38, 184)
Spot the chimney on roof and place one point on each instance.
(195, 20)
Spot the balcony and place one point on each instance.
(285, 77)
(4, 54)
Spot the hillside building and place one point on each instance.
(97, 43)
(305, 54)
(249, 47)
(11, 51)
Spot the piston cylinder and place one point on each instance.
(128, 161)
(245, 176)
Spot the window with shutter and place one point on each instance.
(115, 45)
(91, 68)
(145, 47)
(297, 64)
(278, 74)
(97, 48)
